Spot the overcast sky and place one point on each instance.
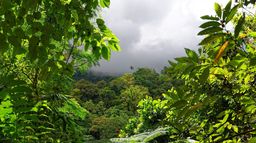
(151, 32)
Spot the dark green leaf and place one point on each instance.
(239, 26)
(182, 59)
(3, 43)
(179, 104)
(21, 89)
(227, 9)
(209, 24)
(210, 30)
(33, 47)
(96, 51)
(217, 9)
(100, 21)
(232, 13)
(205, 74)
(207, 17)
(105, 53)
(212, 38)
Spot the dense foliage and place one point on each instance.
(111, 103)
(41, 43)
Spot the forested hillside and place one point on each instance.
(111, 103)
(47, 94)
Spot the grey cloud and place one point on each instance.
(151, 32)
(145, 11)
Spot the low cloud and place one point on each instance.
(151, 32)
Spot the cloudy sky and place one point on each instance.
(151, 32)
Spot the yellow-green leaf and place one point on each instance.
(221, 51)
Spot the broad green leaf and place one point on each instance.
(232, 13)
(208, 17)
(212, 38)
(182, 59)
(210, 30)
(227, 9)
(192, 55)
(105, 53)
(210, 24)
(239, 26)
(217, 9)
(96, 51)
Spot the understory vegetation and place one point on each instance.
(48, 95)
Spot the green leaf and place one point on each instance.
(192, 55)
(209, 24)
(205, 74)
(33, 47)
(210, 30)
(232, 13)
(252, 140)
(182, 59)
(21, 89)
(64, 2)
(225, 118)
(116, 47)
(239, 26)
(212, 38)
(100, 21)
(104, 3)
(3, 94)
(217, 9)
(179, 104)
(227, 9)
(235, 128)
(105, 53)
(96, 51)
(208, 17)
(252, 34)
(15, 41)
(3, 43)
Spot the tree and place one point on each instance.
(132, 95)
(40, 46)
(152, 80)
(87, 90)
(122, 82)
